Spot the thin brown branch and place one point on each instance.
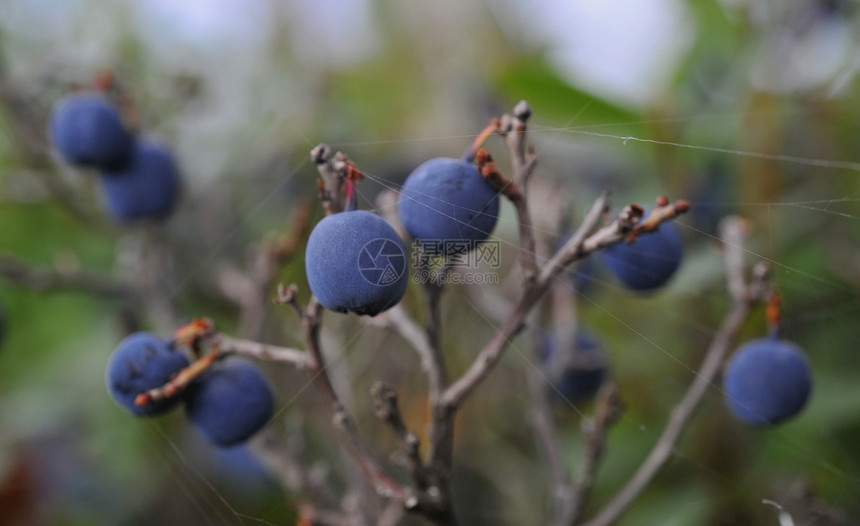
(179, 382)
(595, 431)
(514, 129)
(261, 351)
(349, 436)
(576, 248)
(547, 436)
(331, 183)
(490, 172)
(43, 279)
(388, 410)
(399, 321)
(743, 299)
(285, 458)
(269, 257)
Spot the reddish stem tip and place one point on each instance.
(682, 206)
(142, 400)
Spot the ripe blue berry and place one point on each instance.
(142, 362)
(585, 374)
(356, 263)
(767, 381)
(88, 131)
(146, 188)
(447, 200)
(648, 263)
(230, 402)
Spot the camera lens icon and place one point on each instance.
(381, 262)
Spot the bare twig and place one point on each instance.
(523, 159)
(350, 439)
(576, 248)
(743, 299)
(387, 409)
(488, 169)
(267, 260)
(261, 351)
(595, 431)
(286, 459)
(547, 437)
(399, 321)
(179, 382)
(330, 184)
(42, 279)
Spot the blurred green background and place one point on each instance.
(740, 106)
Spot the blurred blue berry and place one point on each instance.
(88, 131)
(229, 403)
(142, 362)
(146, 188)
(767, 381)
(650, 262)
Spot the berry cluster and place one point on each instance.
(140, 176)
(355, 262)
(228, 403)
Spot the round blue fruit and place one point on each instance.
(230, 402)
(145, 188)
(648, 263)
(767, 381)
(88, 131)
(142, 362)
(356, 263)
(585, 374)
(446, 205)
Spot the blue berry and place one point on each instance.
(88, 131)
(356, 263)
(767, 381)
(447, 204)
(584, 376)
(648, 263)
(146, 188)
(142, 362)
(230, 402)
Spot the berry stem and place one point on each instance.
(482, 137)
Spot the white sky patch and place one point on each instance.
(206, 23)
(625, 51)
(332, 33)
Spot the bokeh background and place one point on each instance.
(742, 107)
